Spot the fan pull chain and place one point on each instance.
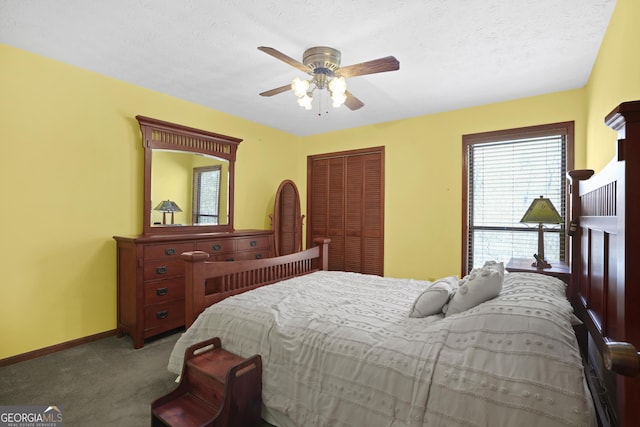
(320, 97)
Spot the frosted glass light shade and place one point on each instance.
(338, 86)
(305, 101)
(338, 100)
(299, 87)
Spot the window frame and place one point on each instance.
(564, 128)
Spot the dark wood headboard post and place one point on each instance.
(194, 276)
(575, 176)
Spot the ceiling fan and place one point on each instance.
(323, 64)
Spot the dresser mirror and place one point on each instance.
(188, 179)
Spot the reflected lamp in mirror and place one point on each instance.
(167, 206)
(541, 212)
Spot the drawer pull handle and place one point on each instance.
(162, 291)
(229, 259)
(161, 270)
(162, 314)
(253, 243)
(216, 247)
(258, 256)
(169, 251)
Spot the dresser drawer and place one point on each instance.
(163, 269)
(166, 251)
(163, 291)
(217, 246)
(163, 317)
(252, 243)
(237, 256)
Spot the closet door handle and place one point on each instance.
(162, 314)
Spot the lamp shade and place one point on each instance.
(541, 211)
(167, 206)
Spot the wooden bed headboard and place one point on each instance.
(605, 265)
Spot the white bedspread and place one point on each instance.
(339, 349)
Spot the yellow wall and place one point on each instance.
(615, 78)
(71, 177)
(423, 174)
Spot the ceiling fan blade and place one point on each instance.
(379, 65)
(352, 102)
(276, 90)
(282, 57)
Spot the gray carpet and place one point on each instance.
(102, 383)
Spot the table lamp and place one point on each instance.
(541, 212)
(165, 207)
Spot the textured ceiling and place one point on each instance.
(453, 53)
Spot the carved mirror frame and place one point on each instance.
(158, 134)
(286, 219)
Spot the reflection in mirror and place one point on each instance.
(192, 168)
(198, 184)
(206, 195)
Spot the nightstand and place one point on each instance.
(559, 269)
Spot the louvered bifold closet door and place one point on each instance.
(373, 215)
(326, 207)
(335, 213)
(346, 203)
(317, 199)
(353, 215)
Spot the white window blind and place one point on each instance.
(503, 177)
(206, 195)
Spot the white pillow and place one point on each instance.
(432, 299)
(495, 264)
(480, 285)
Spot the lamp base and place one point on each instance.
(540, 262)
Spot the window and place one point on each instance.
(206, 194)
(503, 172)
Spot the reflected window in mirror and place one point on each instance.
(206, 195)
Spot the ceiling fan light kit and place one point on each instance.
(323, 65)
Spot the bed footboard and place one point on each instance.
(209, 282)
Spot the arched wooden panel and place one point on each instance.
(286, 219)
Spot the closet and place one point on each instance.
(345, 202)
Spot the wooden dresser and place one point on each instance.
(151, 275)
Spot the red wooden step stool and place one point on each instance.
(217, 388)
